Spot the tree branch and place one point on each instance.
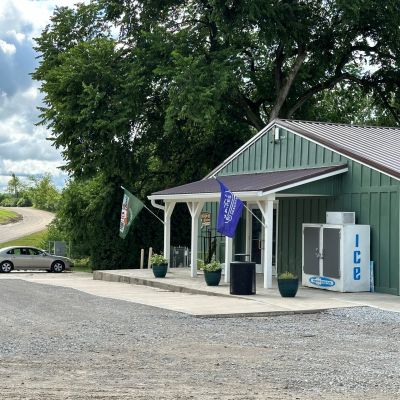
(328, 84)
(287, 83)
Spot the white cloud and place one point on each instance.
(24, 149)
(18, 36)
(7, 48)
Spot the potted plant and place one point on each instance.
(288, 284)
(159, 265)
(212, 272)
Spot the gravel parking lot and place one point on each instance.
(59, 343)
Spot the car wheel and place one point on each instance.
(57, 266)
(6, 266)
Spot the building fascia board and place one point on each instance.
(245, 196)
(304, 182)
(305, 135)
(301, 133)
(240, 149)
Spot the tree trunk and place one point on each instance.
(284, 90)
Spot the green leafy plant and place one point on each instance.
(158, 259)
(213, 266)
(287, 275)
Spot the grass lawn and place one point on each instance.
(7, 216)
(31, 240)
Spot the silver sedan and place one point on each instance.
(24, 257)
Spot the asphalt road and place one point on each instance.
(60, 343)
(33, 221)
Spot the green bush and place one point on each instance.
(24, 202)
(287, 275)
(9, 202)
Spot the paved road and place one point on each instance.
(33, 221)
(60, 343)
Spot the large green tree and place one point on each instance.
(151, 94)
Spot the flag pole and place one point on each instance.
(147, 208)
(248, 209)
(254, 215)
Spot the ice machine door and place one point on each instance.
(331, 252)
(311, 250)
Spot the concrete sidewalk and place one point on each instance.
(216, 303)
(265, 302)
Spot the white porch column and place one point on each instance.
(228, 258)
(195, 208)
(168, 209)
(248, 232)
(267, 210)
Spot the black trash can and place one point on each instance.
(243, 277)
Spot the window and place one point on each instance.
(35, 252)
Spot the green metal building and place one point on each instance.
(293, 172)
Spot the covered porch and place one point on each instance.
(259, 191)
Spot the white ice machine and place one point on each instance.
(336, 257)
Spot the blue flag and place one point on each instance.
(230, 210)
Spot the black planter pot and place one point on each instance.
(212, 278)
(160, 270)
(288, 287)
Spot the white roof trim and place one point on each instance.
(240, 150)
(292, 130)
(251, 195)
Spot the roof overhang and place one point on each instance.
(248, 187)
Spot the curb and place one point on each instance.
(110, 277)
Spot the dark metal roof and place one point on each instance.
(374, 146)
(251, 182)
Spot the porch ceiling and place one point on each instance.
(248, 186)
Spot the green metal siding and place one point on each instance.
(372, 195)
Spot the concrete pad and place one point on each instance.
(267, 302)
(307, 299)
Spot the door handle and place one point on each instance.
(319, 254)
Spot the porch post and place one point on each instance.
(248, 232)
(267, 207)
(195, 208)
(228, 258)
(169, 208)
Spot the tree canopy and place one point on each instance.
(151, 94)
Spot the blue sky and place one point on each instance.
(24, 149)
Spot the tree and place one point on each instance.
(15, 186)
(43, 193)
(155, 94)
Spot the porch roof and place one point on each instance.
(248, 185)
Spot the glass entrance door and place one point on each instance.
(257, 238)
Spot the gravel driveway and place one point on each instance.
(58, 343)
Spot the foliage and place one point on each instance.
(150, 95)
(39, 192)
(24, 202)
(213, 266)
(287, 275)
(43, 193)
(158, 259)
(35, 240)
(81, 265)
(15, 186)
(9, 202)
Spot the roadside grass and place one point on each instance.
(7, 216)
(35, 240)
(82, 265)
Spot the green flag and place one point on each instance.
(131, 207)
